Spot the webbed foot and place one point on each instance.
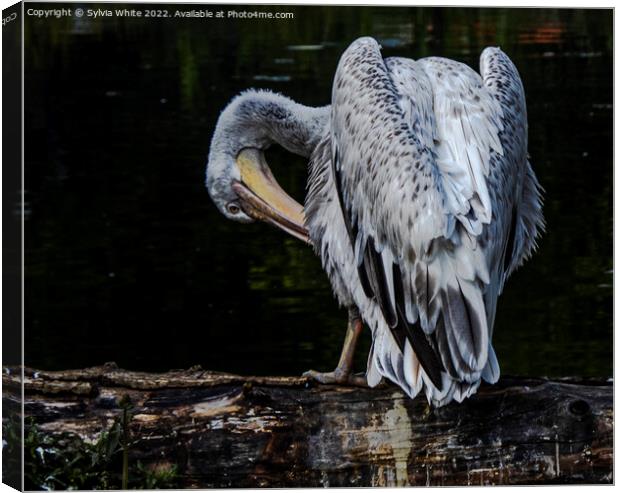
(338, 376)
(343, 374)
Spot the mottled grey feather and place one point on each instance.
(431, 171)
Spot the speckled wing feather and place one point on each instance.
(515, 192)
(380, 164)
(412, 145)
(502, 81)
(468, 121)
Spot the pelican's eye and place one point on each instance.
(233, 208)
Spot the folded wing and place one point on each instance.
(411, 155)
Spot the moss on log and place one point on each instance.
(225, 430)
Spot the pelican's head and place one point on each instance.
(239, 179)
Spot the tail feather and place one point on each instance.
(463, 390)
(412, 370)
(373, 374)
(466, 320)
(397, 365)
(460, 342)
(450, 361)
(436, 396)
(491, 371)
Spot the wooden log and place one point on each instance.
(225, 430)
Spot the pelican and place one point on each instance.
(420, 203)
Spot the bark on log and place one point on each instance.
(231, 431)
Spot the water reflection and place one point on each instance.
(127, 259)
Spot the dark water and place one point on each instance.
(128, 260)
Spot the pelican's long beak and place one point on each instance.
(262, 198)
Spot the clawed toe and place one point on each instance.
(323, 377)
(337, 377)
(343, 375)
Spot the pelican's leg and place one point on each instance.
(343, 374)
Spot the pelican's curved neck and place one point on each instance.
(260, 118)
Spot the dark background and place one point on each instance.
(128, 260)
